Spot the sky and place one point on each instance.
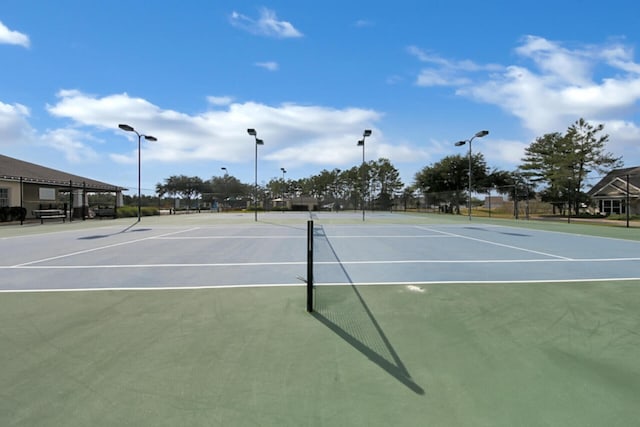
(309, 77)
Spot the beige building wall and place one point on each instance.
(14, 192)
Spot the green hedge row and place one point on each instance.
(132, 211)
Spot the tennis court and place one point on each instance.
(200, 320)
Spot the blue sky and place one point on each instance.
(309, 76)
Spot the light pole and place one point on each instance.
(225, 185)
(284, 185)
(253, 133)
(479, 134)
(334, 192)
(128, 128)
(366, 133)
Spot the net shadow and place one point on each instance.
(343, 310)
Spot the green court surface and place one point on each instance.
(445, 355)
(438, 354)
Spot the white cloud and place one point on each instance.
(14, 125)
(563, 86)
(547, 89)
(8, 36)
(424, 56)
(362, 23)
(502, 152)
(523, 94)
(304, 134)
(72, 143)
(550, 87)
(620, 57)
(104, 112)
(432, 77)
(394, 79)
(464, 65)
(266, 25)
(444, 72)
(219, 100)
(559, 65)
(270, 65)
(623, 137)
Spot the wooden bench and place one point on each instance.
(43, 214)
(43, 217)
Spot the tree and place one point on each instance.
(380, 178)
(408, 197)
(450, 178)
(385, 181)
(563, 162)
(351, 184)
(185, 186)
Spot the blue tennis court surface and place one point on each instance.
(154, 254)
(493, 323)
(468, 253)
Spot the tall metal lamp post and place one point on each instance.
(284, 186)
(128, 128)
(225, 185)
(253, 133)
(479, 134)
(366, 133)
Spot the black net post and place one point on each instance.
(310, 266)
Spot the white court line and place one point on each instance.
(98, 248)
(481, 282)
(297, 284)
(154, 288)
(229, 237)
(80, 267)
(478, 261)
(494, 243)
(391, 236)
(283, 263)
(369, 236)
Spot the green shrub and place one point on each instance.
(132, 211)
(14, 213)
(623, 217)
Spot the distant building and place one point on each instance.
(619, 189)
(305, 203)
(33, 188)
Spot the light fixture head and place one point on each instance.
(361, 143)
(126, 128)
(283, 170)
(482, 133)
(460, 143)
(367, 132)
(259, 141)
(252, 132)
(150, 138)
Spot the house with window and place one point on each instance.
(32, 188)
(618, 192)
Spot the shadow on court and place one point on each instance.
(125, 230)
(500, 232)
(344, 311)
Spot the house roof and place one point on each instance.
(614, 184)
(14, 170)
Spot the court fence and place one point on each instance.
(499, 202)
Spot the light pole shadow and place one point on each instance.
(125, 230)
(350, 318)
